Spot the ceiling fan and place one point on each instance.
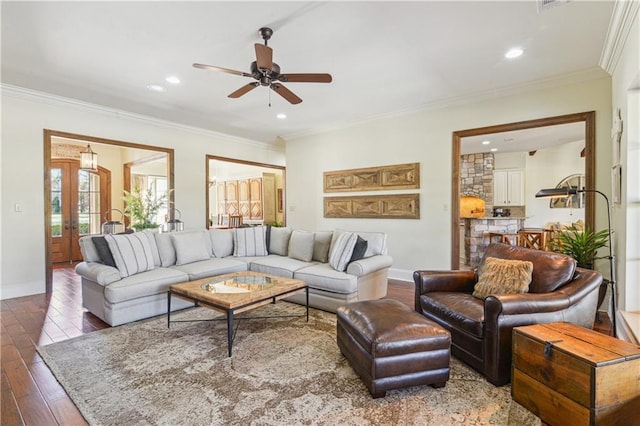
(267, 73)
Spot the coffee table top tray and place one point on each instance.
(239, 290)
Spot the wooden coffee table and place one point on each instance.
(235, 293)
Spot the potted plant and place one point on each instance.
(141, 207)
(580, 244)
(583, 246)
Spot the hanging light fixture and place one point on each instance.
(89, 160)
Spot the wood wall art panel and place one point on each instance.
(398, 176)
(401, 206)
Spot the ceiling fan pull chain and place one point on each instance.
(269, 98)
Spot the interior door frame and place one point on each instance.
(48, 135)
(589, 119)
(208, 157)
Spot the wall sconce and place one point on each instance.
(88, 160)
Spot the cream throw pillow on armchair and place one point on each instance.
(503, 276)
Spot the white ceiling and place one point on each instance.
(385, 57)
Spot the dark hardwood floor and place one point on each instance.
(30, 393)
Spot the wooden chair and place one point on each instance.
(532, 238)
(235, 221)
(504, 237)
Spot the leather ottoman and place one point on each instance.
(390, 346)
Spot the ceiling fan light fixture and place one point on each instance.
(281, 116)
(156, 88)
(173, 79)
(514, 53)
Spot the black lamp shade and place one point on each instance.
(556, 192)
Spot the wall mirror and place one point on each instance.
(576, 201)
(585, 121)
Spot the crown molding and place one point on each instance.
(55, 100)
(584, 75)
(624, 13)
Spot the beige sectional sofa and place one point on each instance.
(339, 266)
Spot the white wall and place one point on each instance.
(24, 116)
(545, 170)
(626, 216)
(425, 137)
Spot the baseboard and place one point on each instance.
(11, 291)
(628, 326)
(401, 275)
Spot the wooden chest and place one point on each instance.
(569, 375)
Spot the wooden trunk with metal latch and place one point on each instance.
(566, 374)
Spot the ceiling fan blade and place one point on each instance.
(264, 56)
(244, 89)
(305, 78)
(220, 69)
(285, 93)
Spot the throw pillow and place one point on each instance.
(191, 246)
(250, 241)
(321, 244)
(222, 242)
(503, 276)
(103, 251)
(165, 249)
(341, 250)
(131, 252)
(301, 245)
(359, 249)
(150, 233)
(279, 242)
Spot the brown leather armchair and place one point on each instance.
(481, 329)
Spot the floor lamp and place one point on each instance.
(568, 192)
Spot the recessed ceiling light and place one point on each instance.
(514, 53)
(493, 149)
(282, 116)
(156, 87)
(486, 142)
(173, 79)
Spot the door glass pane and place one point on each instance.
(88, 203)
(56, 202)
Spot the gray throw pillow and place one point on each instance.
(191, 246)
(301, 245)
(279, 241)
(321, 245)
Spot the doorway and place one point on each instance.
(77, 198)
(85, 210)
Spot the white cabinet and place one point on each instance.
(508, 187)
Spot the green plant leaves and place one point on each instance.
(581, 245)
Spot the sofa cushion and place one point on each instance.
(341, 250)
(165, 249)
(143, 284)
(88, 249)
(102, 247)
(131, 252)
(279, 240)
(222, 242)
(191, 246)
(322, 276)
(301, 245)
(503, 276)
(277, 265)
(550, 270)
(321, 245)
(250, 241)
(211, 267)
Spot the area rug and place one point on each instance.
(283, 372)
